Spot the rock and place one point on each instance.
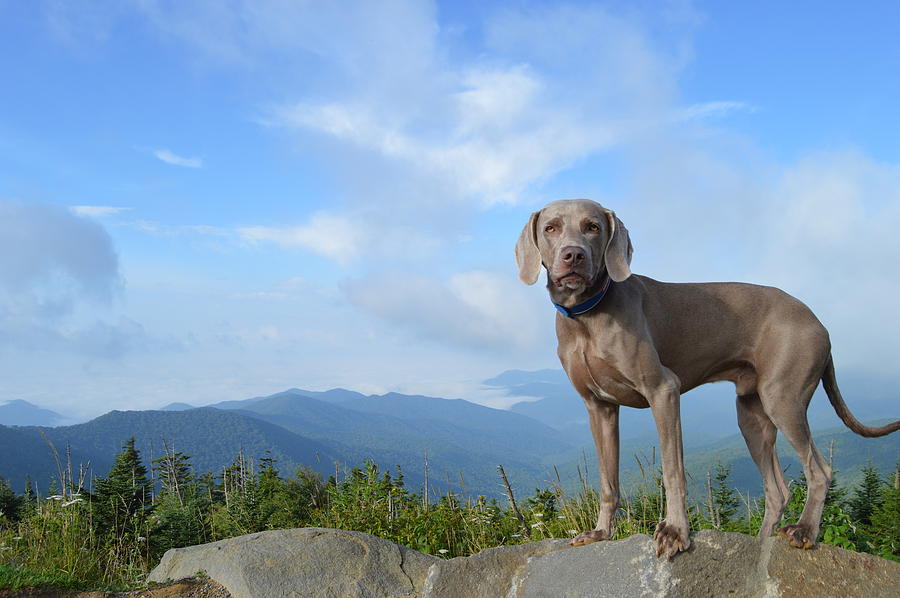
(717, 564)
(491, 572)
(315, 562)
(309, 562)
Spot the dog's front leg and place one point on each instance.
(604, 420)
(672, 533)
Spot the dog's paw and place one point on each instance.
(798, 535)
(589, 537)
(670, 540)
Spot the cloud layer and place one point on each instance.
(56, 269)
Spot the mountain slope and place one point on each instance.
(22, 413)
(456, 436)
(210, 437)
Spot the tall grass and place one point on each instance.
(56, 540)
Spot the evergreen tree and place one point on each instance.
(885, 519)
(173, 470)
(867, 497)
(725, 501)
(239, 488)
(181, 506)
(10, 504)
(544, 502)
(121, 499)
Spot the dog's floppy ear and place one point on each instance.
(528, 257)
(618, 249)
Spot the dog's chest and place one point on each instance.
(592, 376)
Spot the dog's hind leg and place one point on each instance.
(787, 410)
(759, 433)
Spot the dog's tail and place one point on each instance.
(837, 401)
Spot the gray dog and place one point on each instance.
(630, 340)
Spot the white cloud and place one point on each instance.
(463, 126)
(56, 269)
(176, 160)
(345, 238)
(334, 237)
(97, 211)
(473, 309)
(49, 255)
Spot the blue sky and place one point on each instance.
(203, 201)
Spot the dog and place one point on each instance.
(626, 339)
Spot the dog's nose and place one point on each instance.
(571, 255)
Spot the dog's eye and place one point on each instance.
(593, 227)
(549, 228)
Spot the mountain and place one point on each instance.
(335, 395)
(461, 441)
(177, 407)
(511, 378)
(458, 438)
(212, 439)
(22, 413)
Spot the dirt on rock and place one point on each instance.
(185, 588)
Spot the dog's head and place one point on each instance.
(575, 240)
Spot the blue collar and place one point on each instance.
(585, 306)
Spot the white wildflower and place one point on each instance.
(17, 538)
(572, 531)
(443, 551)
(538, 514)
(5, 548)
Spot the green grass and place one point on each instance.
(20, 578)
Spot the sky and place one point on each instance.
(212, 200)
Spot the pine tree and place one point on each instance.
(10, 504)
(867, 497)
(724, 498)
(885, 526)
(173, 470)
(181, 505)
(121, 499)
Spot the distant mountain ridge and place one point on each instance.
(18, 412)
(462, 442)
(212, 438)
(457, 437)
(177, 407)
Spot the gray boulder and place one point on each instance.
(309, 562)
(316, 562)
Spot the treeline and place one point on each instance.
(108, 535)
